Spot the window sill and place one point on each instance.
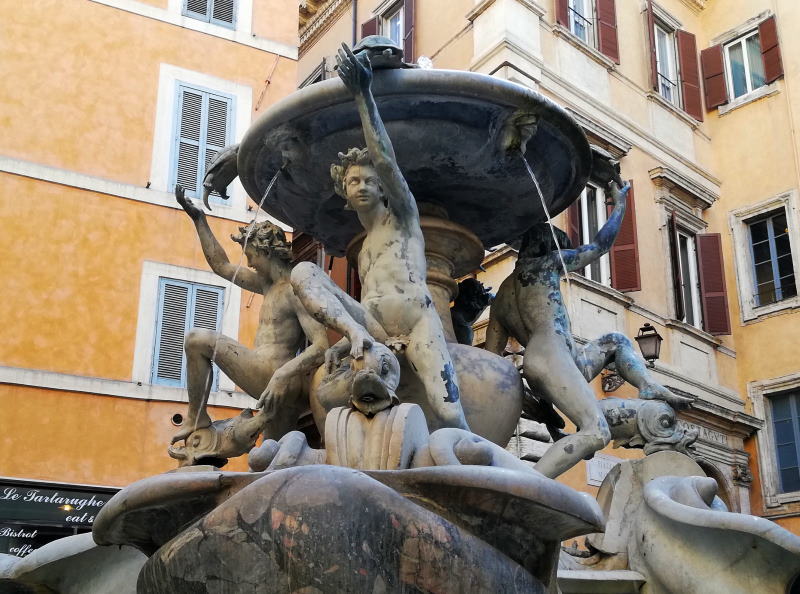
(657, 98)
(694, 331)
(756, 314)
(599, 288)
(775, 502)
(759, 93)
(575, 41)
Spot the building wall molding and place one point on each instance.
(172, 15)
(63, 382)
(100, 185)
(672, 180)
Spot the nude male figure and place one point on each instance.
(272, 369)
(395, 302)
(529, 307)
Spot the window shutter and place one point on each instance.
(607, 29)
(624, 255)
(408, 30)
(223, 12)
(217, 129)
(189, 132)
(306, 249)
(674, 256)
(690, 75)
(562, 12)
(651, 40)
(714, 76)
(716, 317)
(770, 50)
(173, 310)
(369, 28)
(574, 223)
(196, 8)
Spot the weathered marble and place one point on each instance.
(73, 565)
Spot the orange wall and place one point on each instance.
(84, 438)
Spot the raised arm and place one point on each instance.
(582, 256)
(215, 255)
(356, 73)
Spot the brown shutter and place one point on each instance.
(574, 223)
(770, 50)
(306, 249)
(716, 317)
(714, 76)
(369, 28)
(677, 279)
(408, 28)
(690, 75)
(651, 40)
(624, 255)
(562, 12)
(607, 29)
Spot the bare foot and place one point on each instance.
(189, 428)
(658, 392)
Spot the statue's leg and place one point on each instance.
(247, 368)
(430, 360)
(331, 306)
(550, 370)
(618, 349)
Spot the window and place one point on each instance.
(581, 20)
(689, 281)
(592, 214)
(667, 64)
(392, 25)
(217, 12)
(744, 66)
(181, 307)
(786, 434)
(204, 126)
(771, 252)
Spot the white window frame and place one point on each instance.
(670, 61)
(760, 392)
(693, 276)
(170, 77)
(590, 7)
(386, 17)
(586, 236)
(729, 73)
(745, 276)
(148, 314)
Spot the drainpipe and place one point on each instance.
(355, 22)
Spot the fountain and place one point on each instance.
(406, 494)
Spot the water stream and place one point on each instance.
(568, 296)
(249, 232)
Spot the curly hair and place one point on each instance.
(540, 237)
(265, 237)
(354, 156)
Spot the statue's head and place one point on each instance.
(266, 241)
(356, 180)
(538, 241)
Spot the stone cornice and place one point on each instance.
(615, 144)
(322, 20)
(531, 5)
(669, 178)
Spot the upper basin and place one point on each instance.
(449, 129)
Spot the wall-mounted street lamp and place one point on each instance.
(649, 343)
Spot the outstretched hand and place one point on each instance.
(618, 194)
(355, 72)
(194, 212)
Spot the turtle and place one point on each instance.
(220, 173)
(382, 51)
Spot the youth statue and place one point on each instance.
(529, 306)
(272, 369)
(396, 306)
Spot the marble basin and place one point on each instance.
(450, 130)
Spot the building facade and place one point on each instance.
(107, 104)
(694, 99)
